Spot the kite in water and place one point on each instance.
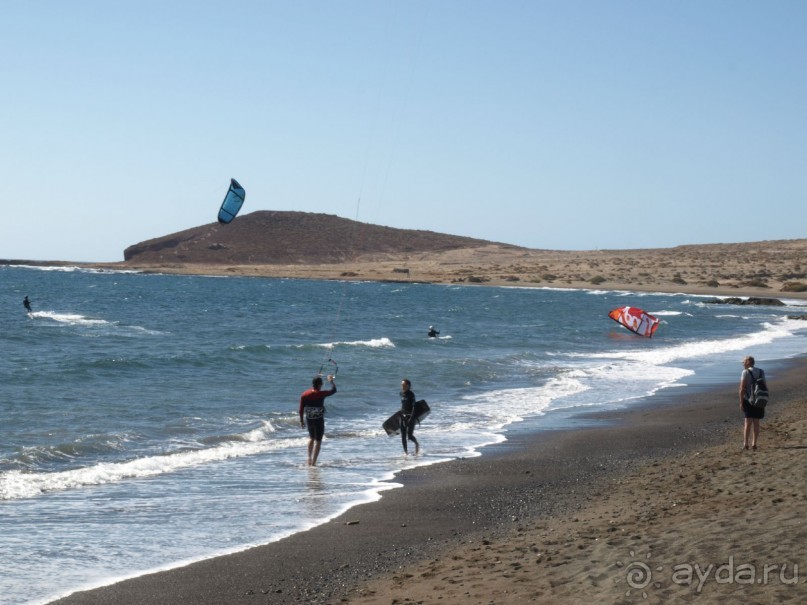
(635, 320)
(232, 202)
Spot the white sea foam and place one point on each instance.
(69, 318)
(703, 348)
(505, 406)
(76, 319)
(16, 484)
(72, 269)
(374, 343)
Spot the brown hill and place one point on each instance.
(292, 238)
(320, 246)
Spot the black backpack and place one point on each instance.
(759, 391)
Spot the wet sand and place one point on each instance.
(561, 516)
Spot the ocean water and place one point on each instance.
(147, 421)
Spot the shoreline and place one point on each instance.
(451, 530)
(719, 270)
(320, 274)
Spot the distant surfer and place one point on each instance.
(432, 332)
(312, 414)
(408, 416)
(27, 304)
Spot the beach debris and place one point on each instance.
(351, 522)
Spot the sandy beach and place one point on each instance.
(708, 523)
(657, 503)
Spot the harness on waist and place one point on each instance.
(314, 412)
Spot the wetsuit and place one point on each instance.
(407, 419)
(27, 304)
(433, 333)
(312, 408)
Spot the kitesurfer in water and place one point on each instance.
(408, 416)
(312, 414)
(433, 332)
(27, 304)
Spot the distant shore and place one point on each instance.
(762, 269)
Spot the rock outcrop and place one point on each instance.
(751, 300)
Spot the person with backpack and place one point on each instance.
(752, 401)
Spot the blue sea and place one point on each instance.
(148, 421)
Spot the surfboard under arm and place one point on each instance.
(392, 425)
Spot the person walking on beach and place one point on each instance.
(752, 413)
(27, 304)
(312, 414)
(408, 417)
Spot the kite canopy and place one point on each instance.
(232, 202)
(635, 320)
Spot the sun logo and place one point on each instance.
(638, 575)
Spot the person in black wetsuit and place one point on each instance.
(432, 332)
(408, 416)
(27, 304)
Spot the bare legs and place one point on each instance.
(751, 432)
(313, 451)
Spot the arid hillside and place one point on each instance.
(320, 246)
(279, 238)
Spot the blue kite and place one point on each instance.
(232, 202)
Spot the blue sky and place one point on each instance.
(566, 125)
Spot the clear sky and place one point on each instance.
(559, 124)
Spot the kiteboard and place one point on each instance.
(422, 410)
(392, 425)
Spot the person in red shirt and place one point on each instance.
(312, 414)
